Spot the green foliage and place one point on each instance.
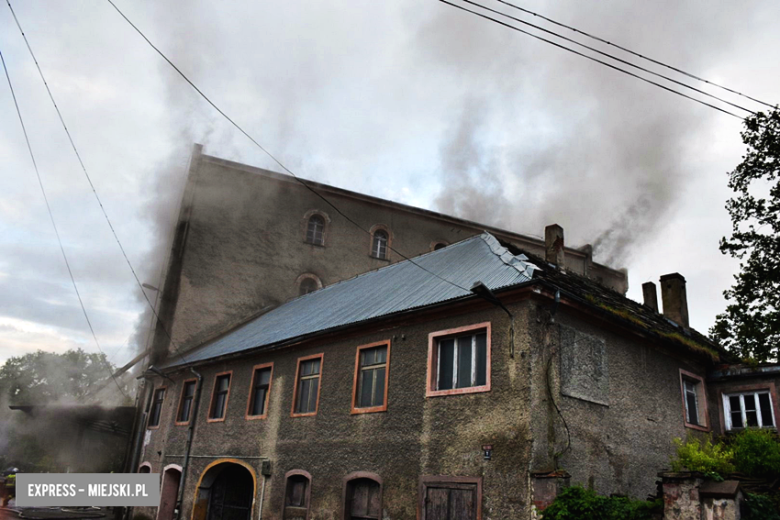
(578, 503)
(759, 507)
(750, 327)
(45, 377)
(757, 453)
(698, 453)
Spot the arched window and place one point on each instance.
(315, 230)
(379, 244)
(439, 245)
(307, 283)
(297, 494)
(363, 497)
(145, 468)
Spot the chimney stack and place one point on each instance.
(553, 245)
(650, 295)
(675, 298)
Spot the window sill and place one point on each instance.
(153, 427)
(373, 409)
(697, 427)
(313, 244)
(379, 258)
(210, 420)
(256, 417)
(458, 391)
(177, 423)
(310, 414)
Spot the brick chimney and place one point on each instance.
(650, 295)
(553, 245)
(675, 298)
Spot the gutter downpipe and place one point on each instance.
(262, 499)
(190, 433)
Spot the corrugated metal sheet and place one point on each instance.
(448, 274)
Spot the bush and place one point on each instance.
(759, 507)
(756, 453)
(698, 453)
(578, 503)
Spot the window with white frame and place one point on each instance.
(459, 360)
(748, 410)
(694, 398)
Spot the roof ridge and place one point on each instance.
(519, 262)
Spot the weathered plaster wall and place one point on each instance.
(622, 411)
(416, 436)
(617, 447)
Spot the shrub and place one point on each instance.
(759, 507)
(698, 453)
(756, 453)
(578, 503)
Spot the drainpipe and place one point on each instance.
(190, 432)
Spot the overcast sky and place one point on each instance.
(413, 101)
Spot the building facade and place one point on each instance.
(449, 391)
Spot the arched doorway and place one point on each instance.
(169, 493)
(226, 491)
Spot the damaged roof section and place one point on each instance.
(436, 277)
(616, 307)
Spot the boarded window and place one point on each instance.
(315, 230)
(261, 383)
(749, 409)
(296, 498)
(371, 378)
(154, 415)
(308, 386)
(185, 406)
(363, 500)
(462, 361)
(584, 366)
(379, 244)
(220, 397)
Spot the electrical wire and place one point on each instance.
(634, 53)
(54, 225)
(89, 180)
(611, 56)
(264, 150)
(606, 64)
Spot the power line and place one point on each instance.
(269, 154)
(54, 225)
(611, 56)
(651, 60)
(606, 64)
(89, 180)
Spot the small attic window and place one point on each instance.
(379, 244)
(308, 285)
(315, 230)
(439, 245)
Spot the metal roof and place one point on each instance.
(432, 278)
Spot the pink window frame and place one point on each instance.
(371, 409)
(214, 394)
(321, 357)
(702, 402)
(255, 368)
(433, 337)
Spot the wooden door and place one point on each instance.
(364, 501)
(451, 501)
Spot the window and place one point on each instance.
(297, 494)
(362, 497)
(315, 230)
(370, 382)
(157, 402)
(257, 408)
(438, 245)
(185, 403)
(306, 395)
(379, 244)
(459, 360)
(694, 401)
(307, 286)
(219, 397)
(749, 409)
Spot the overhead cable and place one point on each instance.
(611, 56)
(56, 231)
(264, 150)
(89, 180)
(634, 53)
(606, 64)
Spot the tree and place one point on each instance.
(750, 327)
(41, 378)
